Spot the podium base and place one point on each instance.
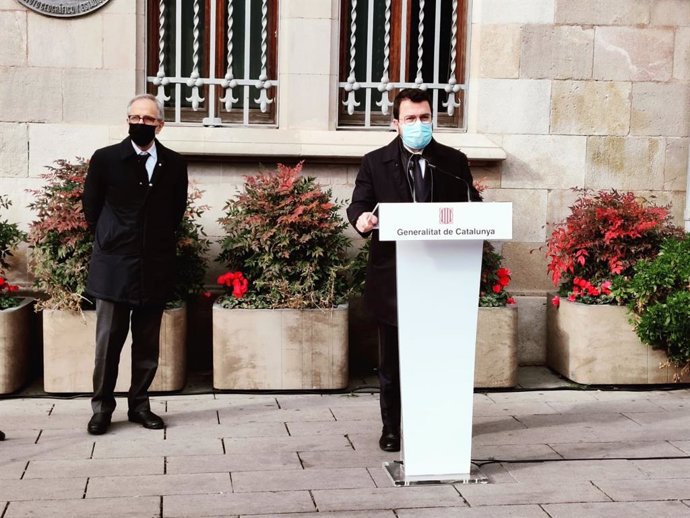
(396, 472)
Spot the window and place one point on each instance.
(391, 44)
(213, 62)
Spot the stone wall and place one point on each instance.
(586, 93)
(582, 94)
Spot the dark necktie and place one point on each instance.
(143, 172)
(422, 192)
(143, 157)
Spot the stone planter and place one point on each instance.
(496, 363)
(280, 349)
(596, 345)
(68, 352)
(14, 346)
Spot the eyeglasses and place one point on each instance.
(146, 119)
(426, 118)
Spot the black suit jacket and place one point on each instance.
(382, 178)
(134, 223)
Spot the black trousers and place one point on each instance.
(389, 377)
(112, 326)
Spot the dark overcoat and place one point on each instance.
(134, 221)
(382, 179)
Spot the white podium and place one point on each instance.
(439, 254)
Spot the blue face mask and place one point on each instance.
(417, 135)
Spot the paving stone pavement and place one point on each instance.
(546, 453)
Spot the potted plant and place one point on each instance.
(14, 312)
(496, 359)
(61, 248)
(496, 363)
(657, 295)
(282, 323)
(589, 338)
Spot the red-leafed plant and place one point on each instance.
(59, 236)
(62, 243)
(287, 237)
(606, 233)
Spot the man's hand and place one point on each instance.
(366, 222)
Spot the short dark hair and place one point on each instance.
(412, 94)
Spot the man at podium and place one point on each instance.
(413, 167)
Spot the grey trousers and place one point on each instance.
(112, 326)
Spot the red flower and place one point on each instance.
(497, 288)
(12, 288)
(511, 300)
(2, 282)
(571, 297)
(606, 287)
(556, 301)
(240, 287)
(503, 276)
(236, 281)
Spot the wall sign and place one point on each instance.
(63, 8)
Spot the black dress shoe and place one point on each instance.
(2, 436)
(99, 423)
(389, 441)
(146, 418)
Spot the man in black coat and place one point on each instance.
(135, 195)
(413, 167)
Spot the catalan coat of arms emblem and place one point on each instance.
(445, 215)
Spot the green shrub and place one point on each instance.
(658, 295)
(10, 235)
(192, 247)
(358, 272)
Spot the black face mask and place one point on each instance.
(142, 134)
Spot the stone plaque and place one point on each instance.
(63, 8)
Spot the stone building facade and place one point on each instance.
(561, 94)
